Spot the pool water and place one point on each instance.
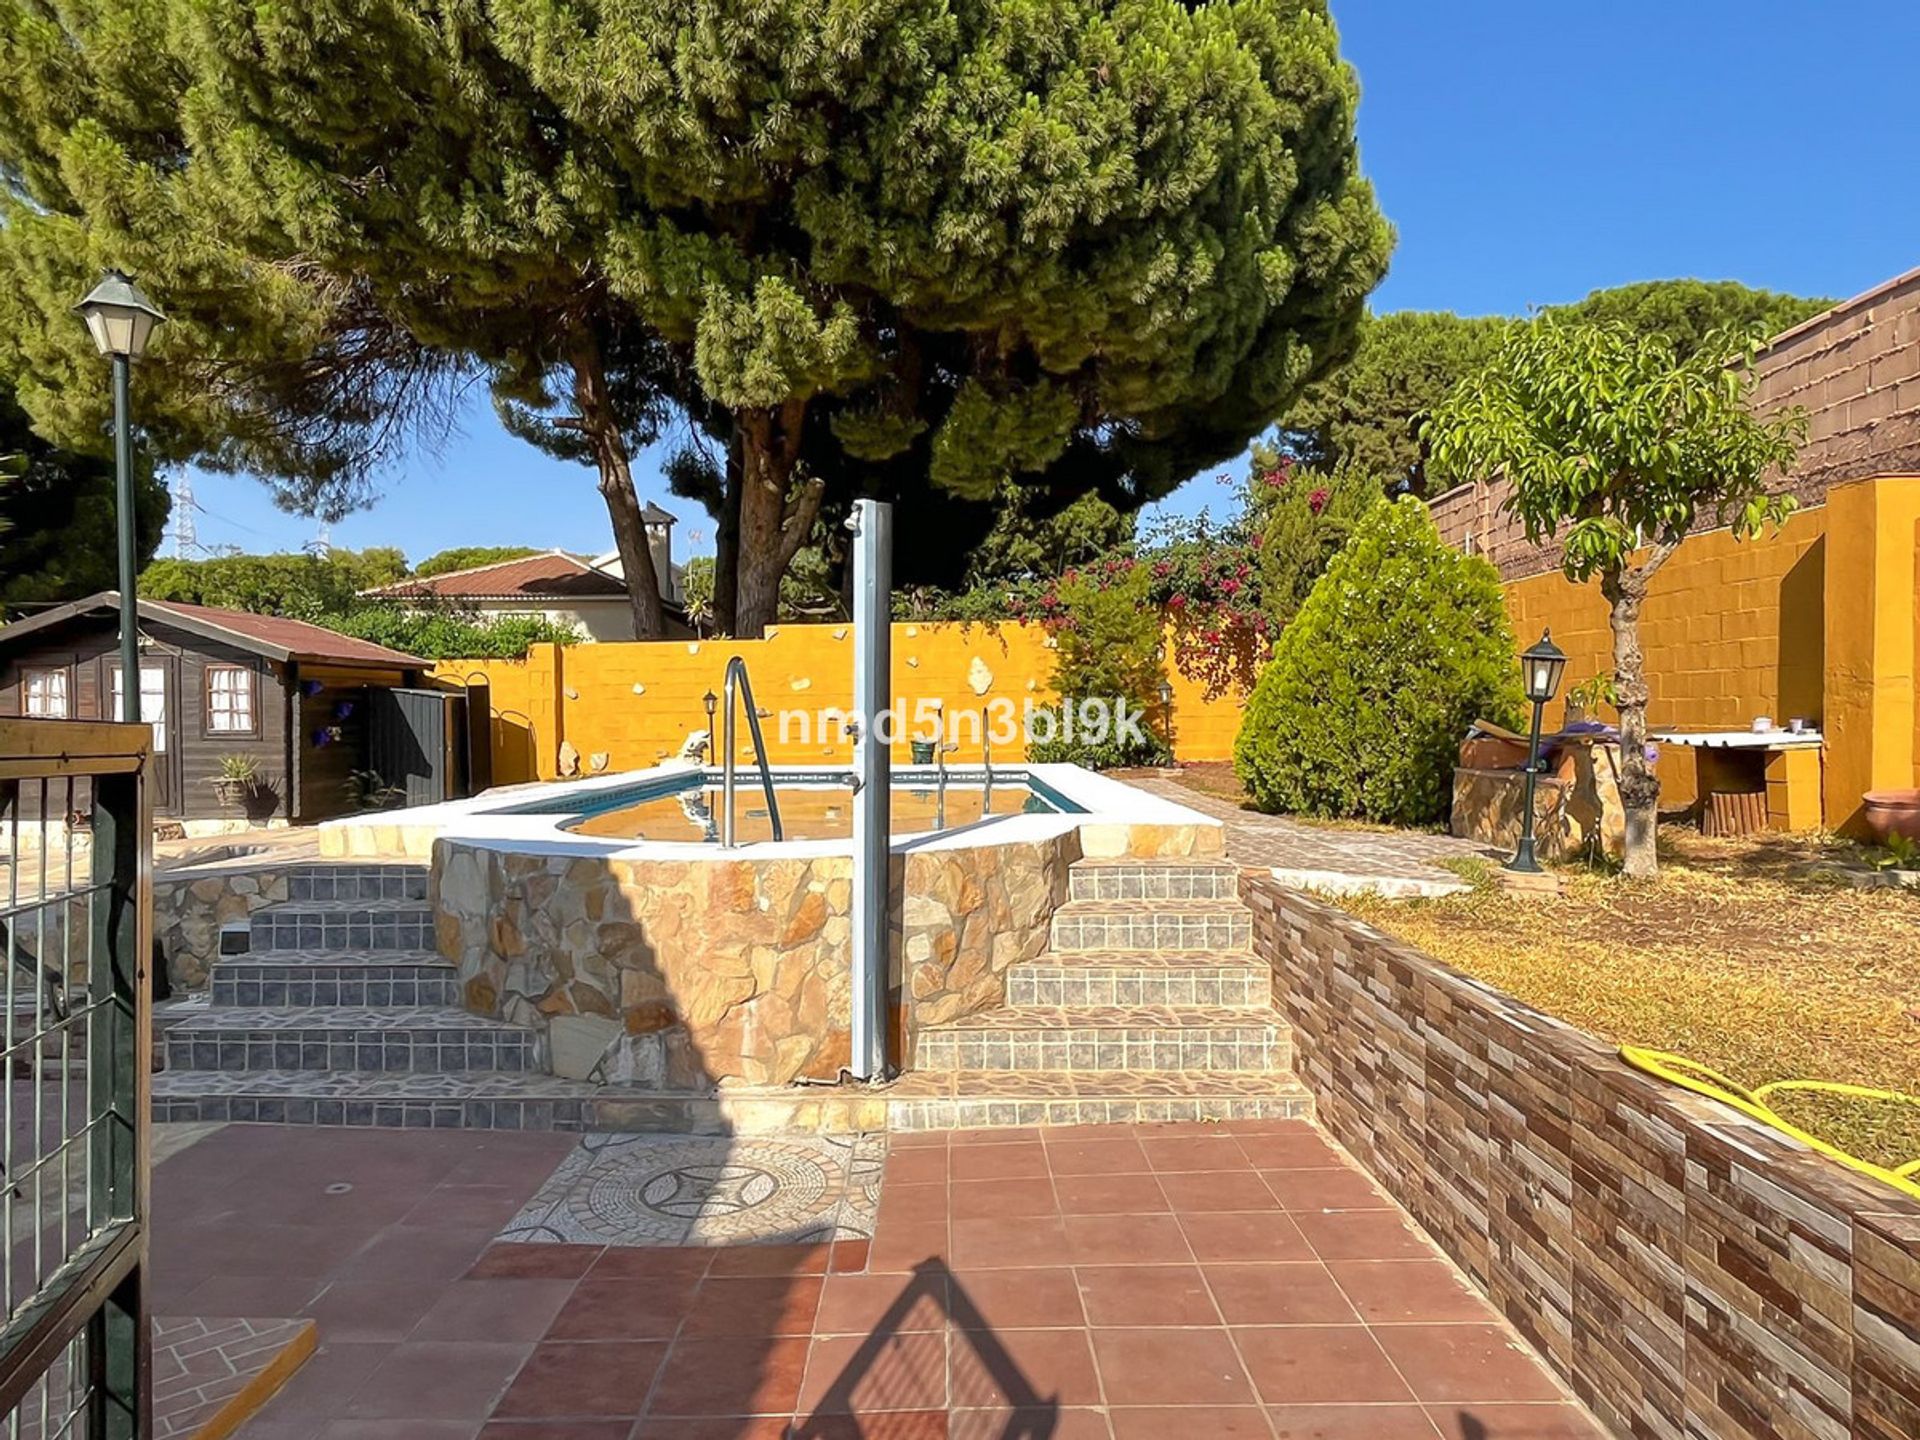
(807, 812)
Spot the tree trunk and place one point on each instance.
(607, 439)
(1625, 592)
(726, 544)
(774, 519)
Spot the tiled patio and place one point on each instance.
(1124, 1283)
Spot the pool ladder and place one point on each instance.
(737, 684)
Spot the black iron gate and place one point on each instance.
(417, 744)
(78, 922)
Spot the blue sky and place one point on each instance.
(1527, 152)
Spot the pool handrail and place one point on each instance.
(736, 683)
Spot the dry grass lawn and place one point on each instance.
(1734, 956)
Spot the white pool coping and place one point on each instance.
(480, 821)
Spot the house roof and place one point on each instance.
(550, 575)
(274, 636)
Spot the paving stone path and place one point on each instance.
(1320, 857)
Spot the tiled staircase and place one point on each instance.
(341, 1013)
(1148, 1006)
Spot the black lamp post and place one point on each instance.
(121, 320)
(712, 702)
(1166, 713)
(1541, 667)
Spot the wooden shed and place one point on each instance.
(299, 700)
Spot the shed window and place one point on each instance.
(230, 708)
(45, 693)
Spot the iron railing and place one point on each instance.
(76, 832)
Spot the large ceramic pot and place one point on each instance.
(1892, 812)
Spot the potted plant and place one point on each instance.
(237, 778)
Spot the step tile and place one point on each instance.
(1152, 925)
(1139, 977)
(977, 1099)
(1153, 880)
(1135, 1037)
(374, 979)
(357, 882)
(343, 925)
(470, 1100)
(422, 1038)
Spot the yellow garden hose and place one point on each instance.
(1702, 1080)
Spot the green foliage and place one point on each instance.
(1107, 648)
(1689, 313)
(1616, 437)
(1309, 517)
(696, 591)
(305, 587)
(1401, 645)
(447, 633)
(59, 519)
(915, 249)
(469, 557)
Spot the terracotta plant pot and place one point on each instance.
(1892, 812)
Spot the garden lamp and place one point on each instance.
(121, 320)
(1166, 710)
(712, 702)
(1541, 667)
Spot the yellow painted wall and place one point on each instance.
(1732, 629)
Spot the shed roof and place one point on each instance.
(274, 636)
(550, 575)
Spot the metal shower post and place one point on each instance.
(872, 526)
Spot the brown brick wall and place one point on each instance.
(1856, 372)
(1689, 1272)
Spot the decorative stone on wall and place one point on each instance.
(1691, 1273)
(190, 906)
(721, 970)
(967, 915)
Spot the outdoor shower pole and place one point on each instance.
(872, 527)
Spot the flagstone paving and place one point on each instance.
(1119, 1282)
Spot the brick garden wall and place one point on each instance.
(1687, 1271)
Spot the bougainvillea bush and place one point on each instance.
(1402, 644)
(1106, 649)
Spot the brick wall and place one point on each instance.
(1855, 370)
(1689, 1272)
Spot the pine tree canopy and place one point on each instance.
(910, 248)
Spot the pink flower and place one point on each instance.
(1176, 602)
(1317, 501)
(1229, 586)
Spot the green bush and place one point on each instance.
(447, 633)
(1399, 647)
(1106, 634)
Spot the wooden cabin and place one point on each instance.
(295, 698)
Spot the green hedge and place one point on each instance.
(1400, 646)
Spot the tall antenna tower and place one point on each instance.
(185, 541)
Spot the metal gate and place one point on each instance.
(416, 744)
(78, 923)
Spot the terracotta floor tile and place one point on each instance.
(864, 1304)
(1342, 1188)
(863, 1375)
(1362, 1235)
(1319, 1365)
(1015, 1195)
(583, 1379)
(996, 1135)
(1194, 1153)
(1514, 1422)
(1244, 1235)
(516, 1310)
(1466, 1362)
(901, 1247)
(624, 1309)
(887, 1425)
(755, 1375)
(393, 1430)
(919, 1140)
(427, 1256)
(549, 1430)
(1160, 1295)
(534, 1262)
(1290, 1292)
(1399, 1292)
(997, 1162)
(849, 1257)
(1213, 1422)
(997, 1244)
(1074, 1152)
(1122, 1194)
(754, 1305)
(651, 1262)
(732, 1427)
(1055, 1424)
(915, 1167)
(1189, 1193)
(1170, 1367)
(1125, 1239)
(1021, 1368)
(322, 1388)
(431, 1380)
(911, 1204)
(770, 1260)
(1291, 1150)
(1001, 1299)
(369, 1309)
(1350, 1422)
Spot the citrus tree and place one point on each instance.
(1619, 446)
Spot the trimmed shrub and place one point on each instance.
(1400, 646)
(1106, 635)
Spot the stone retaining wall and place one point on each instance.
(1688, 1271)
(191, 904)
